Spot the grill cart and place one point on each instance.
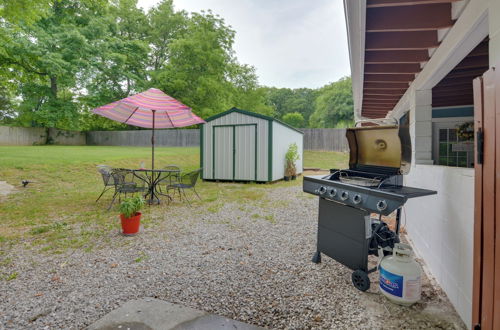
(373, 184)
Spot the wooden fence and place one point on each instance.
(19, 136)
(329, 139)
(163, 138)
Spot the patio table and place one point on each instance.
(153, 178)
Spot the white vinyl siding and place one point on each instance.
(282, 138)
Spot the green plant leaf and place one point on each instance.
(130, 206)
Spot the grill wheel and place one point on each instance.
(360, 280)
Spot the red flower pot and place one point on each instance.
(130, 226)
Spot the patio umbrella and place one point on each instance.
(150, 109)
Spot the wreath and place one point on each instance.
(465, 131)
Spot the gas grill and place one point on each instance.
(347, 231)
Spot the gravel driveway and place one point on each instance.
(248, 261)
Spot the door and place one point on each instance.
(235, 152)
(245, 153)
(223, 156)
(486, 273)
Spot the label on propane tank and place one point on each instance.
(391, 283)
(413, 288)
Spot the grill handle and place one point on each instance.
(378, 121)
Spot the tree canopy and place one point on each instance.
(328, 106)
(294, 119)
(334, 105)
(62, 58)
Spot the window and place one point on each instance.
(449, 148)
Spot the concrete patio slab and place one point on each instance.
(150, 313)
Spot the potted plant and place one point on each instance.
(287, 172)
(293, 171)
(291, 156)
(130, 215)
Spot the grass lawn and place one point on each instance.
(325, 159)
(58, 210)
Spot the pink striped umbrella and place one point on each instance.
(150, 109)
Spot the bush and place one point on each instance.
(291, 156)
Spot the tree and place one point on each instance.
(301, 101)
(7, 92)
(26, 11)
(198, 65)
(121, 55)
(334, 105)
(6, 111)
(246, 93)
(166, 25)
(80, 55)
(286, 100)
(278, 98)
(49, 56)
(294, 119)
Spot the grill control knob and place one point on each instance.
(332, 192)
(356, 199)
(344, 195)
(381, 205)
(322, 190)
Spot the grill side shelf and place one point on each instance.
(409, 192)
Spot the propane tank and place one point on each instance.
(400, 276)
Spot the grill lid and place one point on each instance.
(380, 149)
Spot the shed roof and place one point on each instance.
(252, 114)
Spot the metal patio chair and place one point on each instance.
(125, 182)
(172, 177)
(187, 181)
(105, 172)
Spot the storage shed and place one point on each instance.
(239, 145)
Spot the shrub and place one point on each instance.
(291, 156)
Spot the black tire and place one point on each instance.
(360, 280)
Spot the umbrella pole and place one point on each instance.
(153, 176)
(153, 143)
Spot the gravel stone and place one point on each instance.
(249, 261)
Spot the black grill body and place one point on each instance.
(346, 219)
(344, 234)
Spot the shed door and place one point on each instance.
(245, 153)
(223, 153)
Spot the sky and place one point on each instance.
(291, 43)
